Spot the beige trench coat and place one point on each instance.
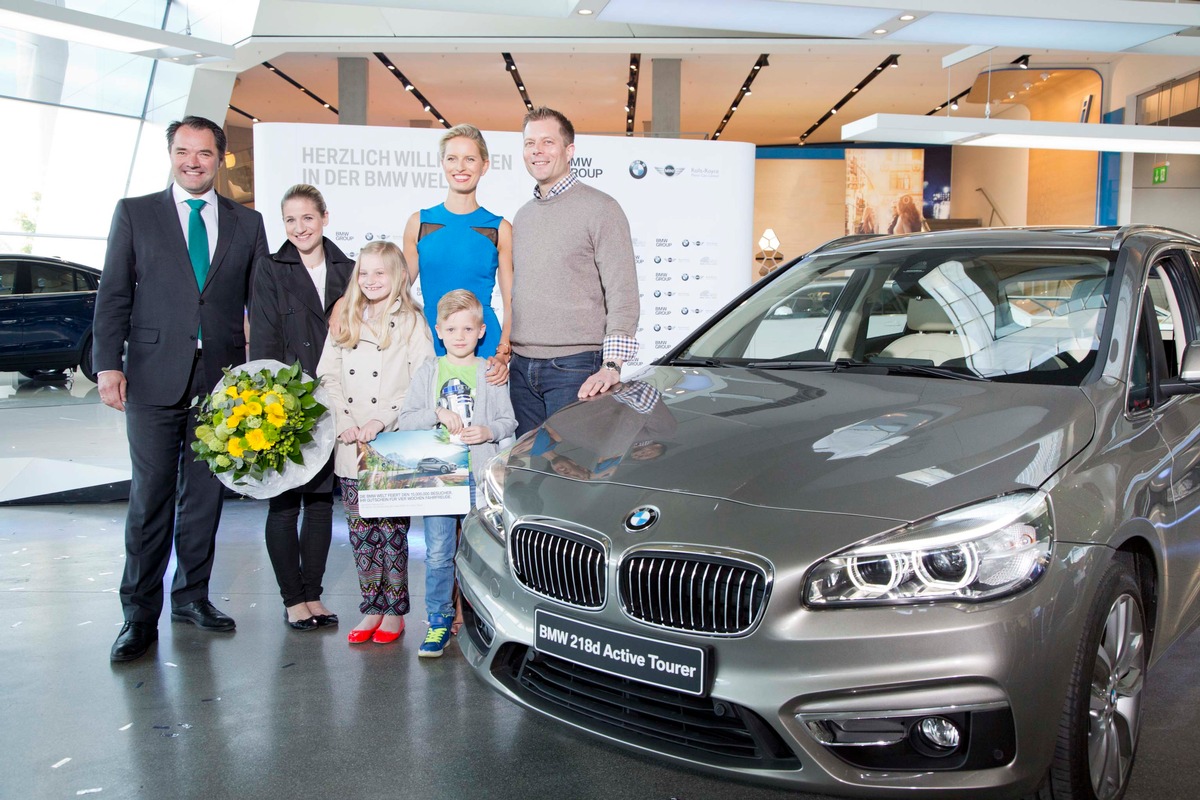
(367, 382)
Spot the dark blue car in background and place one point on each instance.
(46, 309)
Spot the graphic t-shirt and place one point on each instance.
(456, 390)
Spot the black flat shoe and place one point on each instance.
(326, 620)
(133, 641)
(204, 615)
(306, 624)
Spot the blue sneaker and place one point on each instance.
(437, 637)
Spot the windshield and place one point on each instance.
(996, 313)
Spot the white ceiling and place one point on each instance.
(451, 51)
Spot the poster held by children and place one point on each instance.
(413, 474)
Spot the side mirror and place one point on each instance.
(782, 311)
(1188, 381)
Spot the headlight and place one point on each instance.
(492, 511)
(980, 552)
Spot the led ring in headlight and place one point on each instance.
(878, 574)
(949, 568)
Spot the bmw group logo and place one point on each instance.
(638, 169)
(641, 518)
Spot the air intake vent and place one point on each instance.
(559, 565)
(697, 594)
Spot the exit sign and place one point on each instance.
(1160, 172)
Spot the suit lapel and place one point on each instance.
(226, 225)
(168, 222)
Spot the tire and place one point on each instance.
(48, 375)
(85, 361)
(1098, 732)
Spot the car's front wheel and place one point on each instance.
(1098, 732)
(85, 361)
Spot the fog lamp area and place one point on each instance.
(980, 552)
(921, 741)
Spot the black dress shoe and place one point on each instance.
(133, 641)
(204, 615)
(306, 624)
(326, 620)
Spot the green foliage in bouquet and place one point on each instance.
(255, 423)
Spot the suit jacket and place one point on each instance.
(287, 320)
(149, 308)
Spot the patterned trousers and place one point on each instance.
(381, 555)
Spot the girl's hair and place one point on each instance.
(459, 300)
(306, 192)
(356, 301)
(463, 131)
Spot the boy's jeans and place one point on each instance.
(441, 542)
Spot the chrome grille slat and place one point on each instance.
(561, 566)
(693, 592)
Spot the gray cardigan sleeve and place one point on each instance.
(419, 412)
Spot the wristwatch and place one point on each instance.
(613, 366)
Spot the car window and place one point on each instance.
(1003, 313)
(53, 279)
(8, 277)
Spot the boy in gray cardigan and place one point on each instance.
(451, 391)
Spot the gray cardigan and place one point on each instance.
(493, 410)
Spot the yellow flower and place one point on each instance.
(276, 415)
(231, 391)
(236, 446)
(257, 439)
(252, 408)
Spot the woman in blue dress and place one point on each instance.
(461, 245)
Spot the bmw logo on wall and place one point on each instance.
(638, 169)
(641, 518)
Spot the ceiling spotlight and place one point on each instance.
(746, 91)
(1045, 76)
(1027, 86)
(1011, 95)
(954, 105)
(630, 87)
(626, 109)
(585, 12)
(325, 104)
(520, 87)
(512, 67)
(426, 106)
(441, 120)
(1022, 62)
(254, 119)
(854, 90)
(833, 111)
(717, 135)
(879, 31)
(408, 87)
(895, 62)
(908, 18)
(391, 66)
(733, 108)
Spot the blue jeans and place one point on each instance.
(540, 386)
(441, 542)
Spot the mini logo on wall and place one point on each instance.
(641, 518)
(638, 170)
(670, 170)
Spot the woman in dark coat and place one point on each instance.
(294, 291)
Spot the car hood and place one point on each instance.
(893, 447)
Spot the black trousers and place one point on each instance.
(173, 499)
(299, 560)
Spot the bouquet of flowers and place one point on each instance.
(264, 429)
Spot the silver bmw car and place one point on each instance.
(931, 545)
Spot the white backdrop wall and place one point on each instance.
(690, 203)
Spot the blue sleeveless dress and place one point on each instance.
(459, 251)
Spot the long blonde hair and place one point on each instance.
(356, 302)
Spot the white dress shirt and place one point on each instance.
(208, 214)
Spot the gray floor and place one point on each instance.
(270, 713)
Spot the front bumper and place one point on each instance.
(1000, 669)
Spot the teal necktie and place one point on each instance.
(198, 242)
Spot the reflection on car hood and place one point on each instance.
(893, 447)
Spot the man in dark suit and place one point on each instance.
(170, 314)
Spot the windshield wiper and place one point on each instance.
(696, 362)
(928, 370)
(808, 365)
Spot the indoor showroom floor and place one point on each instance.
(267, 712)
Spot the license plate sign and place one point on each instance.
(626, 655)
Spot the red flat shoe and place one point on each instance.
(387, 637)
(359, 636)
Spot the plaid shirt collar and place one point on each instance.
(556, 189)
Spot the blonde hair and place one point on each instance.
(463, 131)
(356, 302)
(459, 300)
(307, 192)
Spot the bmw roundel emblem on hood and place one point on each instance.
(641, 518)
